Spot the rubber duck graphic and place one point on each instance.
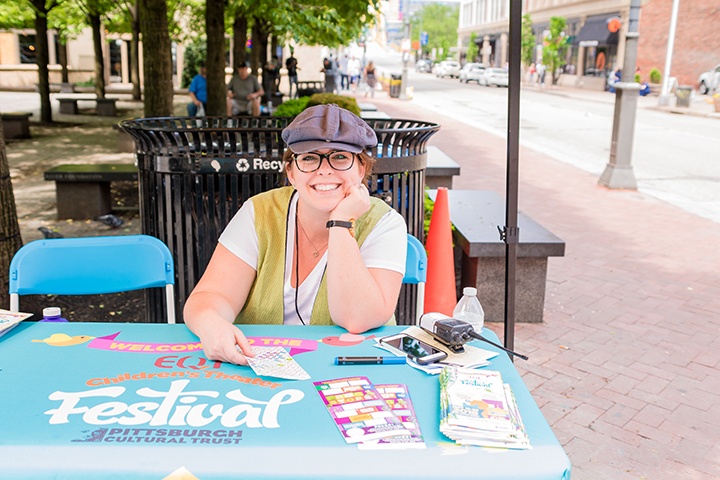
(345, 340)
(64, 340)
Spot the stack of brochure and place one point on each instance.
(476, 408)
(10, 320)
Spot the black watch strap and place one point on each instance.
(338, 223)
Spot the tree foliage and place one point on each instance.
(472, 50)
(554, 47)
(440, 22)
(528, 41)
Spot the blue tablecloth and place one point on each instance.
(103, 400)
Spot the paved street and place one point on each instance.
(675, 157)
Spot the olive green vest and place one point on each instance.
(265, 302)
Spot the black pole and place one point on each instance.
(511, 232)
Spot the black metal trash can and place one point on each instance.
(196, 172)
(395, 85)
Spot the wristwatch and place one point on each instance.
(341, 223)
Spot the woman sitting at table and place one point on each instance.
(318, 252)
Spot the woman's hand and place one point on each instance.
(223, 341)
(354, 205)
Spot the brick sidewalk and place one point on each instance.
(625, 366)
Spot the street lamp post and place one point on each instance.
(405, 54)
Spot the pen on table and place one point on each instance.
(370, 360)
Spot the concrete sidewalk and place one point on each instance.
(625, 366)
(700, 105)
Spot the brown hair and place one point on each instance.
(365, 159)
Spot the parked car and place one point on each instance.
(709, 81)
(494, 76)
(447, 68)
(424, 65)
(475, 73)
(471, 72)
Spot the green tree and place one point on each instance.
(157, 61)
(440, 22)
(472, 50)
(554, 47)
(528, 41)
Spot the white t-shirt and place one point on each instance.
(384, 247)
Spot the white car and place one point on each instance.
(709, 81)
(447, 68)
(471, 72)
(494, 76)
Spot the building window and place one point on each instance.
(28, 48)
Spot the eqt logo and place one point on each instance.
(188, 362)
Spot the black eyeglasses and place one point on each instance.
(309, 162)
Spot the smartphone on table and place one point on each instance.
(416, 350)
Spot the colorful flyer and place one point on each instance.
(397, 398)
(276, 362)
(10, 320)
(358, 409)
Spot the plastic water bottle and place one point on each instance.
(469, 309)
(52, 314)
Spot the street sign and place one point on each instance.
(423, 38)
(405, 45)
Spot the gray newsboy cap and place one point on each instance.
(328, 126)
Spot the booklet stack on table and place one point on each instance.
(476, 408)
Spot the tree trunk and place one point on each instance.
(256, 51)
(62, 54)
(215, 60)
(135, 53)
(42, 60)
(157, 58)
(10, 239)
(96, 25)
(240, 26)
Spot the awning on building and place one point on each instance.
(595, 32)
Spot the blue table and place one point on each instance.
(103, 400)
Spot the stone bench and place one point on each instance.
(16, 125)
(440, 169)
(367, 107)
(105, 107)
(83, 191)
(476, 215)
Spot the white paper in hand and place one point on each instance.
(276, 362)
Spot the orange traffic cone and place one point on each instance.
(440, 287)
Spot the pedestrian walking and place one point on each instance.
(291, 64)
(370, 79)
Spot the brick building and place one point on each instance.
(594, 51)
(697, 38)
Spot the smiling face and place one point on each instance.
(324, 188)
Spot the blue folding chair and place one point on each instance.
(92, 265)
(416, 271)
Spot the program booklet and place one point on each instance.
(478, 409)
(358, 409)
(10, 320)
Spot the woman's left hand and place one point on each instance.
(354, 205)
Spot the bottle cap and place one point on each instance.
(51, 312)
(471, 291)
